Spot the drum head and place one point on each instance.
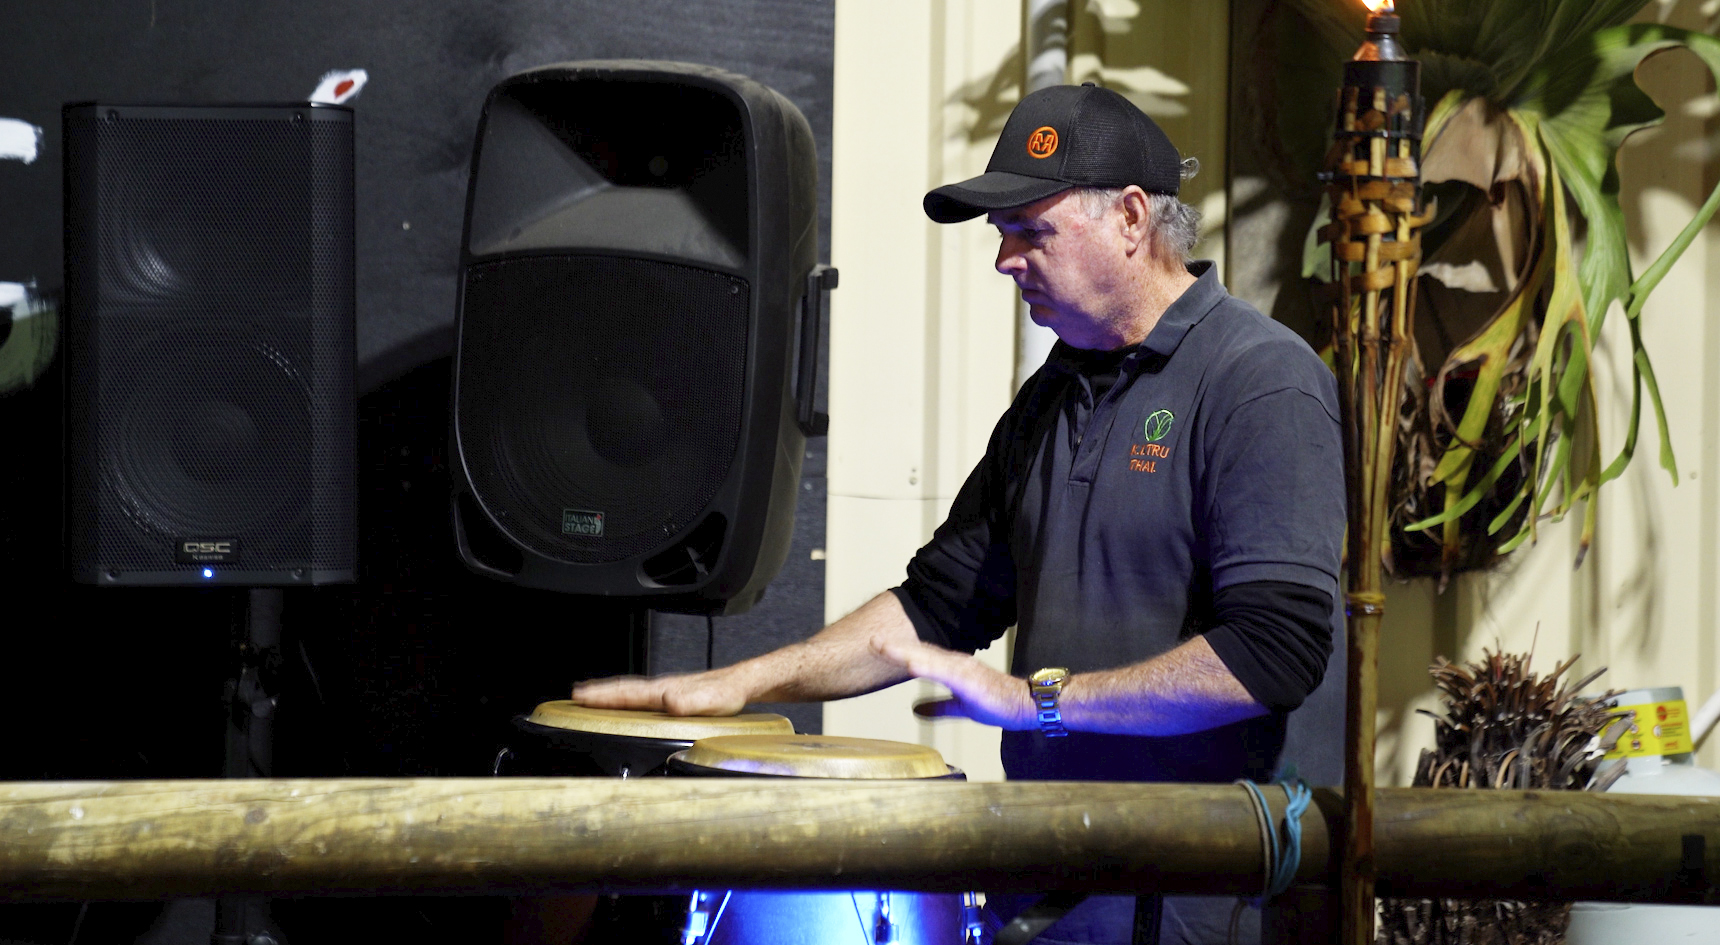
(812, 756)
(564, 714)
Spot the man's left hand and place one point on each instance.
(977, 691)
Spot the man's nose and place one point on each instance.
(1009, 259)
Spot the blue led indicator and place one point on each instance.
(208, 572)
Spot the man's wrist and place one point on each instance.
(759, 679)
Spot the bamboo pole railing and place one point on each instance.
(162, 839)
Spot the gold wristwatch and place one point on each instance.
(1046, 686)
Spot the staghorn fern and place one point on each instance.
(1530, 102)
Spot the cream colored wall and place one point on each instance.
(921, 333)
(1644, 603)
(1172, 59)
(922, 329)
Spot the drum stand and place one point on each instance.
(250, 698)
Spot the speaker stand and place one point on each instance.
(244, 920)
(638, 640)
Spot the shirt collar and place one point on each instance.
(1184, 313)
(1187, 311)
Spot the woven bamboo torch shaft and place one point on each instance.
(1372, 178)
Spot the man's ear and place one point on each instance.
(1137, 229)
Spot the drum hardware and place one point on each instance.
(972, 925)
(702, 919)
(883, 931)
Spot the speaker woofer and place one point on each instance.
(598, 411)
(209, 440)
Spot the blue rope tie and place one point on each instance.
(1286, 855)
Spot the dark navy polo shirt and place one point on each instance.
(1102, 527)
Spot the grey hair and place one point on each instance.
(1175, 225)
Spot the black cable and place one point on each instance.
(316, 684)
(710, 641)
(1042, 915)
(83, 909)
(322, 700)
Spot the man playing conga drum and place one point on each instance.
(1160, 512)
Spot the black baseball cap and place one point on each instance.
(1061, 137)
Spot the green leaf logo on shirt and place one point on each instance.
(1158, 425)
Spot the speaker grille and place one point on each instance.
(212, 282)
(599, 386)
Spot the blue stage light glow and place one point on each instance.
(208, 572)
(752, 917)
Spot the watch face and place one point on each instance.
(1048, 677)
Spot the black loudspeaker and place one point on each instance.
(640, 250)
(210, 427)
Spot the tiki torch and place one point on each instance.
(1372, 179)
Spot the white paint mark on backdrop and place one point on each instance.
(19, 140)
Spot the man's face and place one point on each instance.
(1067, 264)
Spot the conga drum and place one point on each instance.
(862, 917)
(562, 739)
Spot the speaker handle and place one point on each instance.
(813, 305)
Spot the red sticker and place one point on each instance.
(339, 86)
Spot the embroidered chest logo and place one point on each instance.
(1158, 425)
(1144, 457)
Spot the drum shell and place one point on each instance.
(681, 768)
(766, 917)
(755, 917)
(547, 751)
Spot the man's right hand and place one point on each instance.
(835, 663)
(708, 693)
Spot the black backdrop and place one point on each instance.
(416, 669)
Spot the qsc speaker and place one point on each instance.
(639, 251)
(209, 287)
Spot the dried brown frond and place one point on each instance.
(1502, 726)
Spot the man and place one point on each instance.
(1159, 513)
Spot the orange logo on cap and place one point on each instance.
(1043, 142)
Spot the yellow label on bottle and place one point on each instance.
(1653, 728)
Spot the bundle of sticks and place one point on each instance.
(1502, 726)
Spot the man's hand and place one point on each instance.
(708, 693)
(835, 663)
(977, 691)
